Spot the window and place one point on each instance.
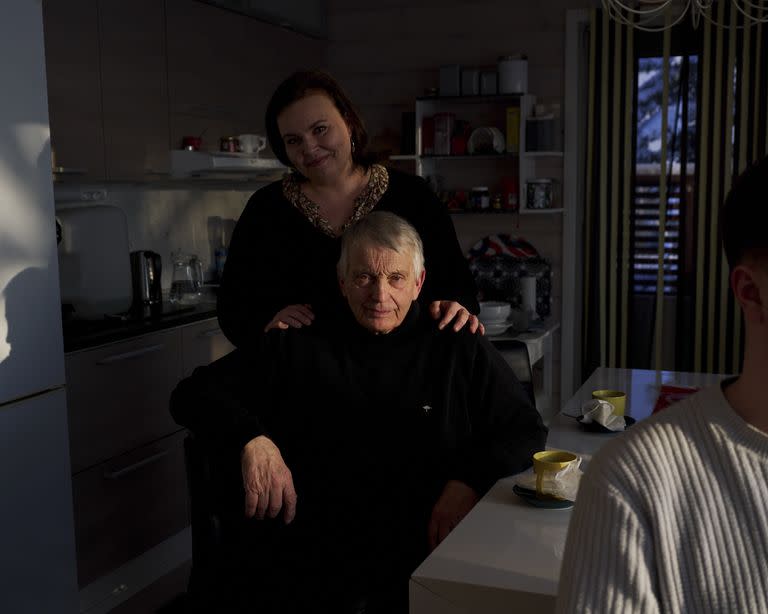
(681, 148)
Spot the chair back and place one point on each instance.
(515, 352)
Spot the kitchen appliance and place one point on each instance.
(37, 559)
(146, 268)
(186, 163)
(94, 261)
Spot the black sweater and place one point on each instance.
(278, 258)
(372, 427)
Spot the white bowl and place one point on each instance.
(494, 311)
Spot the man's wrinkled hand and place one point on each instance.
(267, 481)
(454, 503)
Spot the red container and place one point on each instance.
(193, 143)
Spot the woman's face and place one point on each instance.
(316, 137)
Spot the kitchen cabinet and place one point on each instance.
(118, 396)
(129, 477)
(208, 54)
(134, 89)
(448, 171)
(202, 343)
(74, 87)
(107, 89)
(129, 504)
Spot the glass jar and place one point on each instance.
(480, 198)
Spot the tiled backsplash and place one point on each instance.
(194, 219)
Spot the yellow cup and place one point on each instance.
(615, 397)
(550, 461)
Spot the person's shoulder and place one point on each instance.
(266, 196)
(668, 436)
(406, 183)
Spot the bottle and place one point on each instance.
(220, 258)
(511, 193)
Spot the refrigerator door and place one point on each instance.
(38, 571)
(31, 346)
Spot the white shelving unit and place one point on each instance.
(468, 170)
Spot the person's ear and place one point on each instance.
(342, 287)
(746, 290)
(419, 284)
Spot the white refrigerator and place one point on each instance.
(38, 571)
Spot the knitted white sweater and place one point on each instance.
(672, 516)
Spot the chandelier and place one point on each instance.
(658, 15)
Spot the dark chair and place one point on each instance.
(516, 354)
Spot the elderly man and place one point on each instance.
(673, 516)
(371, 435)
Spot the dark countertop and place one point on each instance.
(84, 334)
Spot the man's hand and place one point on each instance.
(447, 311)
(267, 481)
(292, 316)
(454, 503)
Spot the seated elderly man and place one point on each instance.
(364, 438)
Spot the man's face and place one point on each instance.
(380, 286)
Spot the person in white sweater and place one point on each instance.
(673, 515)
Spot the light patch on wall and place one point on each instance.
(31, 141)
(5, 347)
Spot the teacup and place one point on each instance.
(252, 143)
(617, 398)
(550, 461)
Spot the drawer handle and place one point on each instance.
(211, 333)
(132, 354)
(119, 473)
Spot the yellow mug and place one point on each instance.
(617, 398)
(552, 461)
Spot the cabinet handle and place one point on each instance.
(211, 333)
(119, 473)
(132, 354)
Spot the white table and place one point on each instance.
(505, 555)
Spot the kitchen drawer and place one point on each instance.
(203, 343)
(117, 396)
(129, 504)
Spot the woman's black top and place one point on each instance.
(278, 257)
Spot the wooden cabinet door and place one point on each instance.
(74, 86)
(207, 57)
(117, 396)
(203, 343)
(134, 89)
(129, 504)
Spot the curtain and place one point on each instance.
(609, 168)
(690, 323)
(732, 130)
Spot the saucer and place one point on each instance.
(596, 427)
(495, 328)
(530, 496)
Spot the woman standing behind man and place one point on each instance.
(281, 268)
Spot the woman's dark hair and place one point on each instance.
(301, 84)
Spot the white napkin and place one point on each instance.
(563, 484)
(601, 412)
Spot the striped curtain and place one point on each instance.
(609, 168)
(732, 131)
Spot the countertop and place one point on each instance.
(84, 334)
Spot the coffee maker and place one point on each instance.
(145, 271)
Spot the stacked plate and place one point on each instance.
(494, 316)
